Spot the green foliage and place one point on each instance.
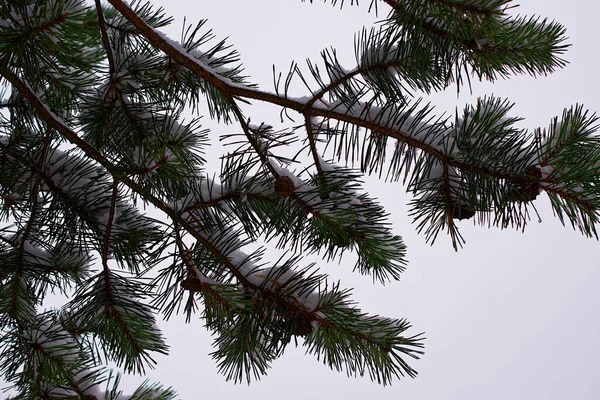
(92, 133)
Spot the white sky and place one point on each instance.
(511, 316)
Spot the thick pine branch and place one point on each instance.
(233, 90)
(55, 122)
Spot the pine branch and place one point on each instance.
(53, 121)
(475, 164)
(109, 54)
(296, 105)
(313, 149)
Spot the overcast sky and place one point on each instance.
(511, 316)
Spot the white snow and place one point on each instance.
(275, 279)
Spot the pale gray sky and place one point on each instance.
(512, 315)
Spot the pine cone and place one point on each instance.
(461, 211)
(527, 188)
(303, 327)
(284, 187)
(192, 284)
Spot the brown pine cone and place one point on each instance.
(284, 187)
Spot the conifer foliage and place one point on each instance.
(92, 136)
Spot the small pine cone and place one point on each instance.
(284, 187)
(461, 211)
(528, 188)
(303, 327)
(192, 284)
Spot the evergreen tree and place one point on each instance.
(92, 134)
